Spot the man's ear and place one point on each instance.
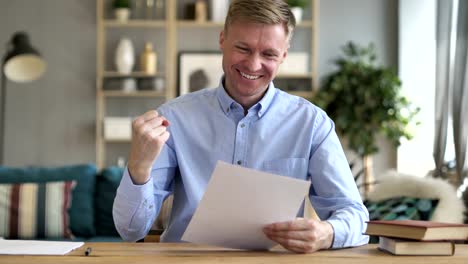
(285, 55)
(221, 40)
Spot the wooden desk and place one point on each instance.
(187, 253)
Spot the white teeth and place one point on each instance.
(250, 77)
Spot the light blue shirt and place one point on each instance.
(282, 134)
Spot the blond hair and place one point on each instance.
(268, 12)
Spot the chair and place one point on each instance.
(161, 222)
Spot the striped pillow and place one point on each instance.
(35, 210)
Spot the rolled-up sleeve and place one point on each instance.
(137, 206)
(133, 208)
(334, 194)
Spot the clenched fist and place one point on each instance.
(149, 134)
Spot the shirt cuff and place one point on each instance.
(338, 233)
(135, 194)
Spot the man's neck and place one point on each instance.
(248, 102)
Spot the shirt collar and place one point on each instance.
(226, 101)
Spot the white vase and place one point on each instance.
(122, 14)
(297, 12)
(125, 56)
(219, 9)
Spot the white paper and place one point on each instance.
(239, 202)
(36, 247)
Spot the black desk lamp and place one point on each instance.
(22, 63)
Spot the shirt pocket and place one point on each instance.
(292, 167)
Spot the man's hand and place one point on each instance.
(149, 135)
(301, 235)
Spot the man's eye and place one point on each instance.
(243, 49)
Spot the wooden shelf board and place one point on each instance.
(137, 23)
(133, 94)
(112, 74)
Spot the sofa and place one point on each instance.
(61, 203)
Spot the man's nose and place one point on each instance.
(254, 63)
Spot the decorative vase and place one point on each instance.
(125, 56)
(219, 9)
(200, 11)
(122, 14)
(297, 12)
(148, 59)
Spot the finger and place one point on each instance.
(141, 120)
(297, 235)
(150, 126)
(150, 115)
(292, 244)
(158, 131)
(150, 135)
(165, 136)
(297, 224)
(156, 122)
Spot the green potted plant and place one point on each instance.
(121, 10)
(297, 8)
(364, 100)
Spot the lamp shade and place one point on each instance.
(22, 62)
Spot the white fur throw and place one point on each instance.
(450, 208)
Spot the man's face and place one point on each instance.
(252, 54)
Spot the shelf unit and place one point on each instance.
(171, 27)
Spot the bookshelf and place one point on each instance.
(172, 33)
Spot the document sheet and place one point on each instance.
(36, 247)
(239, 202)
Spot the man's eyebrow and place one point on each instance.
(240, 43)
(271, 50)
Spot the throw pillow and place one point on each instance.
(82, 207)
(35, 210)
(106, 187)
(401, 208)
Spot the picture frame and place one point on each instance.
(198, 70)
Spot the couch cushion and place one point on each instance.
(35, 210)
(82, 207)
(106, 187)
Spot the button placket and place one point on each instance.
(241, 141)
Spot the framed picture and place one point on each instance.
(198, 70)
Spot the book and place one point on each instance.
(398, 246)
(418, 230)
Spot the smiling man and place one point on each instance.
(244, 121)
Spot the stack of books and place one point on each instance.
(412, 237)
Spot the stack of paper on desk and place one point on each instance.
(239, 202)
(35, 247)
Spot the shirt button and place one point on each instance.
(239, 162)
(242, 125)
